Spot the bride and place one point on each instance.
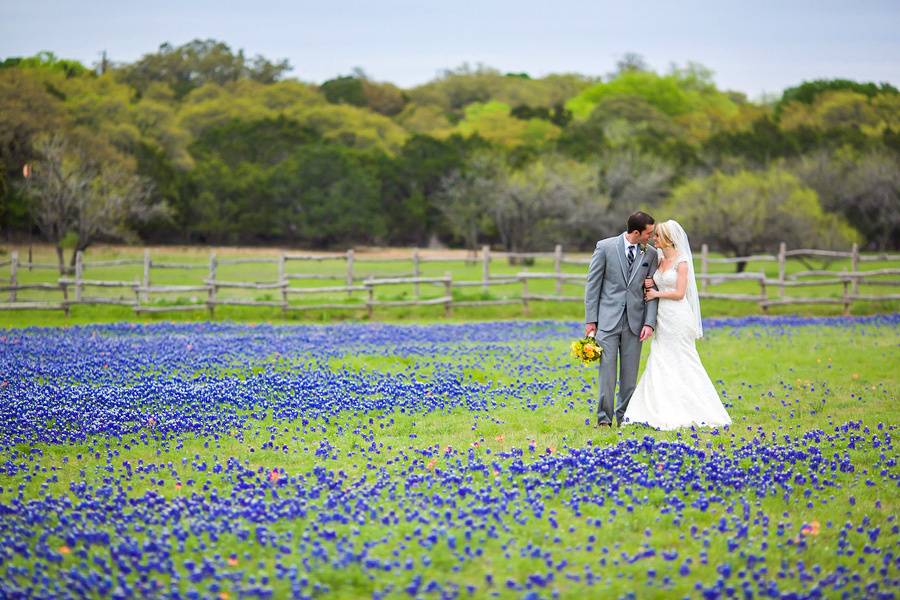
(674, 390)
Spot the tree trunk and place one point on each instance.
(79, 247)
(61, 259)
(741, 266)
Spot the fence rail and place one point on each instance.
(141, 290)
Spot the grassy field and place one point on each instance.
(440, 461)
(369, 264)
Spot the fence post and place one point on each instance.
(763, 294)
(370, 299)
(284, 284)
(349, 270)
(525, 296)
(782, 267)
(65, 293)
(557, 266)
(448, 293)
(704, 267)
(485, 268)
(854, 266)
(847, 301)
(416, 273)
(143, 296)
(13, 275)
(79, 273)
(211, 282)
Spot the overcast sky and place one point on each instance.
(755, 47)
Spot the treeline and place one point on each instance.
(201, 144)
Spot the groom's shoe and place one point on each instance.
(603, 425)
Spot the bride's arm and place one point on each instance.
(680, 285)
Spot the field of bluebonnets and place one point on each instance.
(458, 460)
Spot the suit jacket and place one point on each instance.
(612, 290)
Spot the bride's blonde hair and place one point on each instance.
(663, 232)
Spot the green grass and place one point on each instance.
(806, 379)
(460, 270)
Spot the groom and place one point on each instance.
(616, 313)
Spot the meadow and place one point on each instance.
(232, 460)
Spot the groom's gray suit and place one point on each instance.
(614, 299)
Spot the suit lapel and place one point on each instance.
(622, 260)
(638, 257)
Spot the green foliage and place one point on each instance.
(344, 90)
(332, 195)
(28, 111)
(47, 61)
(210, 128)
(458, 88)
(559, 115)
(411, 182)
(808, 91)
(494, 122)
(189, 66)
(266, 141)
(864, 188)
(384, 98)
(675, 94)
(750, 211)
(760, 144)
(627, 122)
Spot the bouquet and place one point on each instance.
(587, 350)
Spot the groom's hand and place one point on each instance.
(590, 328)
(646, 333)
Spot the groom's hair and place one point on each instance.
(638, 222)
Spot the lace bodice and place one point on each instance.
(667, 280)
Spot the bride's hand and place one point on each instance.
(648, 283)
(652, 294)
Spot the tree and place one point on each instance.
(630, 180)
(761, 144)
(267, 141)
(630, 121)
(751, 211)
(830, 110)
(72, 197)
(48, 61)
(630, 61)
(864, 188)
(678, 93)
(808, 91)
(358, 90)
(345, 90)
(198, 62)
(493, 122)
(27, 110)
(328, 195)
(465, 195)
(534, 207)
(411, 182)
(458, 88)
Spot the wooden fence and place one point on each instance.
(353, 279)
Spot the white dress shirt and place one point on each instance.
(637, 247)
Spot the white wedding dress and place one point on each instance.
(674, 390)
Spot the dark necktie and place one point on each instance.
(630, 257)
